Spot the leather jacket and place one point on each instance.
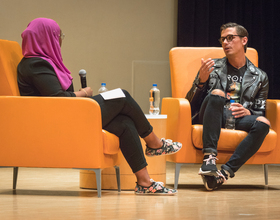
(254, 89)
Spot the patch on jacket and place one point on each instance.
(260, 104)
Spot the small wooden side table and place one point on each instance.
(156, 165)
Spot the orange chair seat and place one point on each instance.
(230, 139)
(110, 143)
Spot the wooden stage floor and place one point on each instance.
(55, 194)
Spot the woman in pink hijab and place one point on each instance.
(41, 72)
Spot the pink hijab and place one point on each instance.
(41, 39)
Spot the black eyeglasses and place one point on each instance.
(228, 37)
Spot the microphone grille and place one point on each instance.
(82, 72)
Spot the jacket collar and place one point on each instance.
(250, 66)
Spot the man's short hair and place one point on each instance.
(240, 30)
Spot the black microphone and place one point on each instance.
(82, 74)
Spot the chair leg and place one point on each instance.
(98, 181)
(117, 168)
(15, 175)
(265, 166)
(177, 172)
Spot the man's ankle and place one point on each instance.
(228, 171)
(207, 155)
(225, 173)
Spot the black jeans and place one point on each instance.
(124, 118)
(212, 117)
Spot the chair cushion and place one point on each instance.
(110, 143)
(229, 139)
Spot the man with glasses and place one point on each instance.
(218, 81)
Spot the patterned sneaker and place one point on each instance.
(167, 148)
(156, 189)
(209, 166)
(214, 182)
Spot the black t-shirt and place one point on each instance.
(36, 77)
(234, 81)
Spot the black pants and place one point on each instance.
(124, 118)
(212, 117)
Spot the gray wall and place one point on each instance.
(124, 43)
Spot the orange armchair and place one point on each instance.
(53, 132)
(184, 65)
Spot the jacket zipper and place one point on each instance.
(257, 87)
(247, 88)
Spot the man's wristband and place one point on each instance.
(198, 83)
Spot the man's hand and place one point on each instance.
(205, 69)
(238, 110)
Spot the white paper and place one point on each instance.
(113, 94)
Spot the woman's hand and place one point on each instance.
(238, 110)
(84, 92)
(87, 91)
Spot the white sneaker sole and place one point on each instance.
(208, 173)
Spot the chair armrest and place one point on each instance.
(273, 114)
(178, 113)
(50, 132)
(179, 127)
